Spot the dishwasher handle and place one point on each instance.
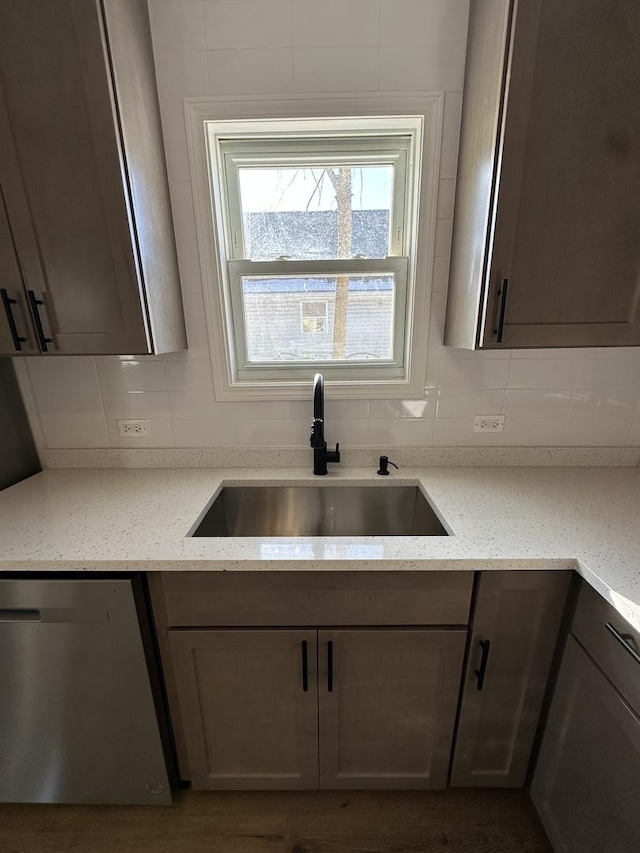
(19, 614)
(60, 615)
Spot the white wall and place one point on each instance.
(254, 47)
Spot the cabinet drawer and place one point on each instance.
(317, 598)
(594, 624)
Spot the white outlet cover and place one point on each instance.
(133, 429)
(488, 423)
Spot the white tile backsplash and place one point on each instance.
(336, 23)
(75, 430)
(532, 432)
(205, 432)
(407, 409)
(65, 387)
(538, 403)
(250, 72)
(118, 376)
(468, 402)
(543, 373)
(434, 66)
(335, 69)
(247, 23)
(472, 373)
(124, 404)
(228, 48)
(416, 22)
(608, 372)
(189, 376)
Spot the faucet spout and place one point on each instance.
(318, 397)
(317, 425)
(320, 453)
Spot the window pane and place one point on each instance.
(319, 318)
(316, 213)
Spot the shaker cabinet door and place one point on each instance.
(515, 629)
(16, 335)
(568, 210)
(248, 702)
(55, 81)
(586, 786)
(387, 706)
(545, 249)
(83, 175)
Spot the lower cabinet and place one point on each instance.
(249, 703)
(334, 708)
(368, 689)
(586, 785)
(587, 782)
(515, 622)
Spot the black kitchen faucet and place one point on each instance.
(320, 453)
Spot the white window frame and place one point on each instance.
(209, 121)
(233, 154)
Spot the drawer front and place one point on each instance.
(317, 598)
(610, 641)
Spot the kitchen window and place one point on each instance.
(314, 228)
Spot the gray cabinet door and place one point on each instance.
(387, 706)
(16, 335)
(568, 213)
(83, 177)
(586, 786)
(560, 211)
(248, 720)
(518, 614)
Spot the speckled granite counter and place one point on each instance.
(587, 519)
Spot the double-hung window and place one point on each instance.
(315, 224)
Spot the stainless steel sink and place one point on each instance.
(320, 511)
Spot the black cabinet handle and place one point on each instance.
(502, 293)
(19, 614)
(35, 303)
(330, 666)
(305, 667)
(18, 340)
(625, 640)
(480, 673)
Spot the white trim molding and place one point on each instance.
(330, 116)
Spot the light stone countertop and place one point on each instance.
(587, 519)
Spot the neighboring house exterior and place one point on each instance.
(300, 312)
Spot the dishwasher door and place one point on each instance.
(78, 721)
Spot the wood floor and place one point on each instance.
(483, 821)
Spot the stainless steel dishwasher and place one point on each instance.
(81, 718)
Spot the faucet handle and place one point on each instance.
(334, 455)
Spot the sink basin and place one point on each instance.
(320, 511)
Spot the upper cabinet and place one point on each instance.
(546, 248)
(87, 252)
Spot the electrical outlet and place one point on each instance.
(133, 429)
(488, 423)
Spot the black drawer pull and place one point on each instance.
(480, 673)
(330, 666)
(18, 340)
(35, 303)
(19, 614)
(305, 667)
(502, 293)
(625, 640)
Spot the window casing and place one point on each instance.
(373, 359)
